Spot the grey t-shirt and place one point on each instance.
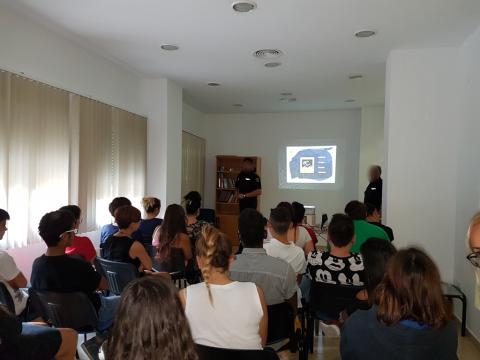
(274, 276)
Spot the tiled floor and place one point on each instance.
(328, 349)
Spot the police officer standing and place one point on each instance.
(248, 185)
(373, 193)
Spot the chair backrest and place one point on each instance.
(212, 353)
(6, 298)
(118, 274)
(332, 299)
(208, 215)
(280, 322)
(71, 310)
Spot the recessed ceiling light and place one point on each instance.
(272, 64)
(286, 94)
(238, 105)
(365, 33)
(350, 100)
(169, 47)
(213, 84)
(268, 54)
(355, 76)
(244, 6)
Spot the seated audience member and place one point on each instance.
(338, 265)
(223, 313)
(34, 341)
(10, 276)
(193, 202)
(279, 246)
(112, 228)
(301, 236)
(152, 206)
(150, 324)
(81, 246)
(171, 239)
(274, 276)
(473, 236)
(363, 230)
(57, 272)
(410, 318)
(374, 217)
(121, 246)
(375, 254)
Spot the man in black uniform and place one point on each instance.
(373, 193)
(248, 185)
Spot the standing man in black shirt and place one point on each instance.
(248, 185)
(373, 193)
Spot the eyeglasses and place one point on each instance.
(73, 231)
(474, 258)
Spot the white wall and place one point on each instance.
(264, 134)
(433, 178)
(371, 144)
(46, 56)
(422, 139)
(193, 121)
(468, 181)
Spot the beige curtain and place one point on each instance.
(35, 154)
(95, 187)
(58, 148)
(130, 154)
(193, 163)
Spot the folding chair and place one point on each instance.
(118, 274)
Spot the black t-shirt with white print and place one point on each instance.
(327, 268)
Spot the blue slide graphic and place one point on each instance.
(314, 164)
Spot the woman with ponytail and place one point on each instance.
(223, 313)
(193, 202)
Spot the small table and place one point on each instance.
(451, 292)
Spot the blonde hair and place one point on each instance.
(150, 204)
(216, 249)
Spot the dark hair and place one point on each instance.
(371, 208)
(251, 226)
(379, 168)
(118, 202)
(341, 230)
(375, 253)
(298, 212)
(173, 224)
(216, 248)
(411, 290)
(54, 224)
(151, 204)
(4, 215)
(193, 201)
(248, 160)
(149, 321)
(280, 219)
(356, 210)
(126, 215)
(74, 209)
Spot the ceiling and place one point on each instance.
(216, 44)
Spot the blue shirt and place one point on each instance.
(148, 226)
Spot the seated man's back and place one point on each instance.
(365, 231)
(330, 269)
(65, 274)
(274, 276)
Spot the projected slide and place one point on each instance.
(311, 164)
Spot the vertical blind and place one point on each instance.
(193, 163)
(58, 148)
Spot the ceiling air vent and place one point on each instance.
(244, 6)
(268, 54)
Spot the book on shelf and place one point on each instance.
(226, 196)
(226, 183)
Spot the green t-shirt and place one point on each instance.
(365, 231)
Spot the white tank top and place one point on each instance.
(232, 322)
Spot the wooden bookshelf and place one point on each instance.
(226, 203)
